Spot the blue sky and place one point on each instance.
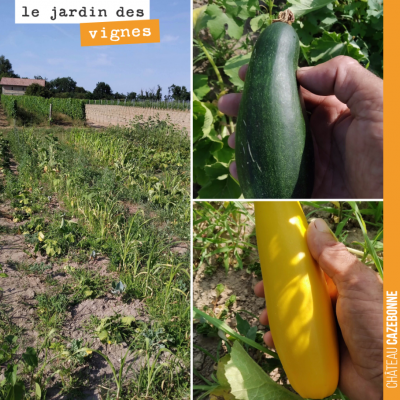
(54, 51)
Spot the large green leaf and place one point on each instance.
(17, 392)
(333, 44)
(226, 154)
(221, 189)
(217, 170)
(303, 7)
(30, 357)
(217, 20)
(248, 381)
(232, 67)
(200, 85)
(259, 23)
(202, 120)
(202, 152)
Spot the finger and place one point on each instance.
(264, 317)
(343, 268)
(259, 289)
(311, 100)
(268, 340)
(345, 78)
(233, 170)
(231, 140)
(229, 104)
(243, 71)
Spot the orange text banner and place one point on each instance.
(120, 32)
(391, 85)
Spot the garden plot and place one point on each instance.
(94, 235)
(104, 115)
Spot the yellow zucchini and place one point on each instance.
(299, 308)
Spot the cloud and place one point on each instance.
(169, 38)
(29, 54)
(101, 60)
(148, 72)
(57, 61)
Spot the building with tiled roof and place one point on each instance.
(17, 86)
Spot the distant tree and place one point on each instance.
(131, 96)
(37, 90)
(159, 93)
(39, 77)
(178, 93)
(80, 95)
(102, 91)
(62, 85)
(119, 96)
(79, 89)
(6, 68)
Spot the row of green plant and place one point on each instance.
(10, 105)
(326, 29)
(99, 218)
(74, 108)
(221, 238)
(160, 105)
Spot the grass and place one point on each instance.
(119, 195)
(220, 232)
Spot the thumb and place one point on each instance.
(345, 78)
(346, 271)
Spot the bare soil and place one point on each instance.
(98, 116)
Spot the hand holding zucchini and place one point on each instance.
(299, 308)
(274, 151)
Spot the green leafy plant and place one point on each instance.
(116, 329)
(219, 231)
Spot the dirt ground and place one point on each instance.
(19, 299)
(20, 289)
(102, 115)
(241, 284)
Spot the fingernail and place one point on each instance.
(323, 227)
(304, 68)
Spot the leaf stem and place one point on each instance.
(210, 59)
(271, 6)
(219, 77)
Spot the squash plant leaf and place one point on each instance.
(303, 7)
(217, 21)
(202, 119)
(333, 44)
(248, 381)
(227, 188)
(232, 67)
(200, 85)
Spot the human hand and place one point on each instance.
(359, 312)
(346, 105)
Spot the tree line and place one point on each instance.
(66, 87)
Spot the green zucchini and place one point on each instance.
(274, 149)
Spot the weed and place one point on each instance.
(51, 309)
